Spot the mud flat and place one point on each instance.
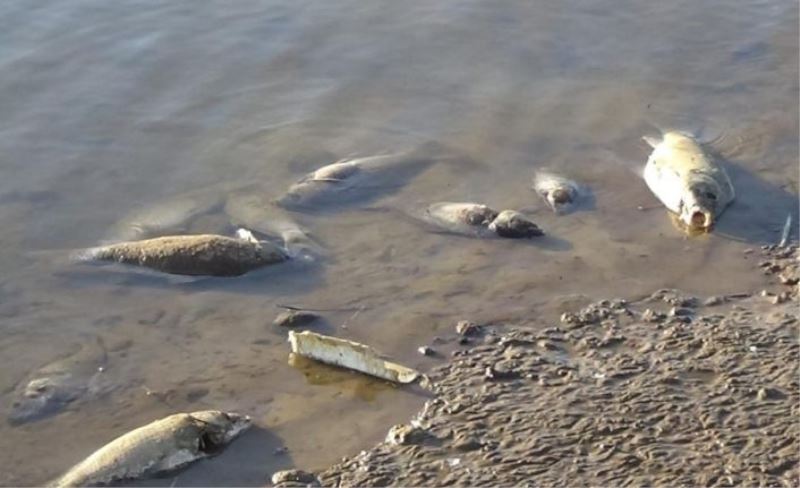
(667, 390)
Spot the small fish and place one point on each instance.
(255, 211)
(513, 225)
(160, 446)
(50, 389)
(465, 218)
(352, 180)
(192, 255)
(561, 194)
(688, 181)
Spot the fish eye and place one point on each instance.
(710, 195)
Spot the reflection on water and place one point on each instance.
(112, 107)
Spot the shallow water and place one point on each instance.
(109, 107)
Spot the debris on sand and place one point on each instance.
(350, 355)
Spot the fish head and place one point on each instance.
(514, 225)
(40, 398)
(305, 193)
(698, 207)
(218, 428)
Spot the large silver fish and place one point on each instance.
(687, 180)
(160, 446)
(50, 389)
(192, 255)
(352, 180)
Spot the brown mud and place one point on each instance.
(668, 390)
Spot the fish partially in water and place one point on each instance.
(561, 194)
(464, 218)
(157, 447)
(192, 255)
(688, 181)
(254, 210)
(478, 220)
(51, 388)
(167, 216)
(513, 225)
(355, 180)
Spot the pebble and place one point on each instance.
(294, 476)
(468, 328)
(402, 435)
(295, 318)
(681, 312)
(426, 351)
(713, 301)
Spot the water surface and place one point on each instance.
(111, 106)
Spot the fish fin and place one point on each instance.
(246, 235)
(652, 141)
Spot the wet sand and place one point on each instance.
(669, 390)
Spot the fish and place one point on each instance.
(53, 387)
(561, 194)
(354, 180)
(256, 211)
(466, 218)
(171, 215)
(688, 181)
(190, 255)
(160, 446)
(513, 225)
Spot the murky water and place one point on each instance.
(111, 106)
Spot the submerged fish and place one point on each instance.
(193, 255)
(255, 211)
(54, 386)
(465, 218)
(165, 216)
(513, 225)
(687, 180)
(561, 194)
(478, 220)
(160, 446)
(358, 179)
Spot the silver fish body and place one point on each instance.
(688, 181)
(353, 180)
(192, 255)
(464, 218)
(157, 447)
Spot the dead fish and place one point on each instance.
(254, 210)
(192, 255)
(561, 194)
(157, 447)
(358, 179)
(53, 387)
(687, 180)
(465, 218)
(513, 225)
(161, 217)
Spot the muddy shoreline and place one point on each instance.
(668, 390)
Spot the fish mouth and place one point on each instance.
(699, 219)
